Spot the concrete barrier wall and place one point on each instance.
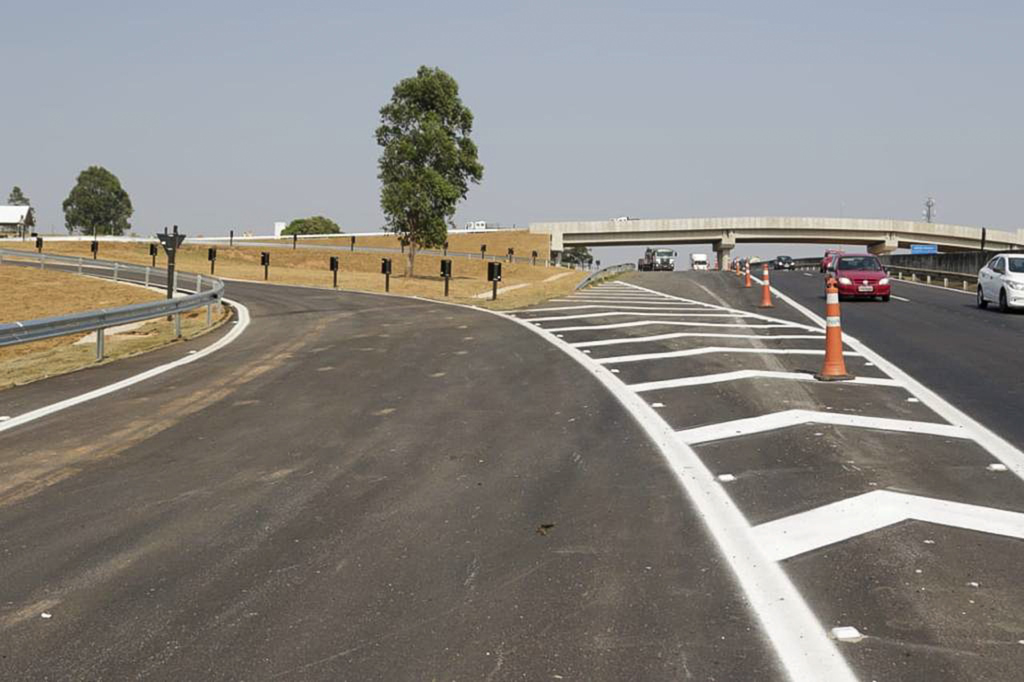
(965, 262)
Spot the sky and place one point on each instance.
(221, 115)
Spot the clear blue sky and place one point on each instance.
(227, 114)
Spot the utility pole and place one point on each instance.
(929, 210)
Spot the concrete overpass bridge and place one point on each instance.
(723, 234)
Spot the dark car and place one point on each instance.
(783, 263)
(859, 275)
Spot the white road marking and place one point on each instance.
(595, 306)
(560, 275)
(900, 298)
(997, 446)
(796, 635)
(707, 350)
(746, 374)
(679, 335)
(614, 313)
(788, 418)
(667, 323)
(800, 533)
(38, 413)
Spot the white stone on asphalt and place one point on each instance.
(847, 633)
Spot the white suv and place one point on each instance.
(1002, 280)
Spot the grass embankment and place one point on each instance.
(29, 293)
(358, 271)
(497, 243)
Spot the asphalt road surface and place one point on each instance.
(972, 357)
(648, 485)
(357, 488)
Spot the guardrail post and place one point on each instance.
(945, 282)
(116, 265)
(209, 314)
(79, 265)
(99, 343)
(147, 276)
(177, 325)
(199, 283)
(928, 279)
(965, 285)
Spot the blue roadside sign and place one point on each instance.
(924, 248)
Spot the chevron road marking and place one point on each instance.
(707, 350)
(613, 313)
(678, 335)
(747, 374)
(788, 418)
(800, 533)
(668, 323)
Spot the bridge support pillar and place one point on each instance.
(723, 249)
(888, 246)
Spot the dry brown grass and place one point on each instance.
(359, 271)
(29, 293)
(498, 243)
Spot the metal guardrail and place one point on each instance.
(605, 272)
(206, 291)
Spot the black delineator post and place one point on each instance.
(984, 235)
(171, 242)
(94, 247)
(534, 256)
(352, 245)
(446, 272)
(385, 269)
(483, 250)
(231, 238)
(333, 264)
(39, 244)
(494, 275)
(265, 262)
(152, 254)
(211, 255)
(295, 241)
(511, 253)
(445, 251)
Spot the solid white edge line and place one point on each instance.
(997, 446)
(796, 635)
(38, 413)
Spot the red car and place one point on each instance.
(827, 260)
(859, 275)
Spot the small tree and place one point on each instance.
(97, 204)
(579, 255)
(428, 159)
(313, 225)
(18, 198)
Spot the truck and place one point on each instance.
(698, 261)
(657, 259)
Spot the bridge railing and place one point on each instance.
(202, 290)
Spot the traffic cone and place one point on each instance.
(766, 290)
(834, 368)
(736, 267)
(747, 269)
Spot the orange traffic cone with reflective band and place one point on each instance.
(834, 368)
(747, 269)
(736, 267)
(766, 290)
